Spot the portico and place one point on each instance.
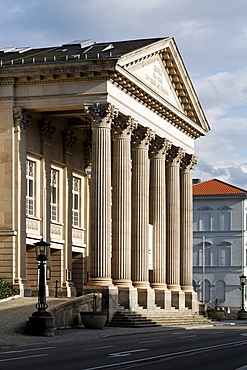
(117, 131)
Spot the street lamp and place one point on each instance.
(42, 249)
(41, 322)
(242, 314)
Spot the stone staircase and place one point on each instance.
(143, 318)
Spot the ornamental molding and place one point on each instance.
(188, 162)
(174, 156)
(69, 139)
(21, 119)
(159, 147)
(205, 208)
(101, 115)
(123, 126)
(142, 137)
(224, 208)
(46, 128)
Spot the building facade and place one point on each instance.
(219, 242)
(96, 156)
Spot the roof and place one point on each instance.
(215, 186)
(81, 49)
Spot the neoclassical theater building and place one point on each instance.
(96, 158)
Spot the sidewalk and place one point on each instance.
(15, 311)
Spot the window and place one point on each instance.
(54, 195)
(220, 288)
(76, 201)
(204, 224)
(225, 256)
(224, 220)
(30, 196)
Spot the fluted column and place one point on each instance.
(121, 201)
(140, 206)
(157, 203)
(100, 201)
(186, 241)
(174, 157)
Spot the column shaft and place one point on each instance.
(121, 202)
(140, 208)
(100, 202)
(186, 222)
(157, 203)
(173, 218)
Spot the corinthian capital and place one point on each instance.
(69, 139)
(101, 115)
(123, 126)
(46, 128)
(159, 147)
(142, 137)
(188, 162)
(174, 155)
(21, 118)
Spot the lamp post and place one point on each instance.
(41, 322)
(42, 250)
(242, 314)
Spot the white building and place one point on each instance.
(219, 241)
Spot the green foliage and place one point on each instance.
(6, 289)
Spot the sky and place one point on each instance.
(211, 37)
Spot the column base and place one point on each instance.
(68, 289)
(100, 282)
(191, 300)
(41, 324)
(146, 298)
(128, 297)
(178, 297)
(162, 297)
(22, 287)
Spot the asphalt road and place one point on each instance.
(220, 348)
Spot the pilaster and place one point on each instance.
(21, 120)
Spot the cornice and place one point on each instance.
(156, 103)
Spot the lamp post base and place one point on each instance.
(242, 315)
(41, 324)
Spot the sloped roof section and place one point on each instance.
(215, 186)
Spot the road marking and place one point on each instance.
(27, 350)
(127, 353)
(22, 358)
(151, 341)
(244, 334)
(239, 343)
(89, 349)
(216, 332)
(187, 336)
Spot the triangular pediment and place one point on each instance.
(152, 72)
(160, 67)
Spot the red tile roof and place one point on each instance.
(215, 186)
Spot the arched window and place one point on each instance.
(220, 290)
